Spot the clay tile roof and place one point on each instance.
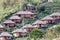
(28, 26)
(5, 34)
(14, 17)
(39, 22)
(47, 18)
(55, 14)
(19, 30)
(9, 21)
(1, 26)
(24, 12)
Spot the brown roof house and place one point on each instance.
(15, 19)
(55, 15)
(28, 27)
(19, 32)
(39, 23)
(5, 36)
(1, 28)
(48, 19)
(25, 14)
(8, 23)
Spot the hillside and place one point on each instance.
(42, 9)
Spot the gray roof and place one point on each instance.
(39, 22)
(5, 34)
(55, 14)
(47, 18)
(28, 26)
(24, 12)
(9, 21)
(1, 26)
(14, 17)
(19, 30)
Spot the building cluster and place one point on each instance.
(23, 31)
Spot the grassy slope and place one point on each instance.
(4, 12)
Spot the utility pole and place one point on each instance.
(23, 21)
(23, 28)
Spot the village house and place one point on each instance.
(19, 32)
(8, 23)
(48, 19)
(39, 23)
(28, 27)
(5, 36)
(16, 19)
(29, 7)
(25, 14)
(50, 0)
(1, 28)
(55, 15)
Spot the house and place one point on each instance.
(28, 27)
(48, 19)
(19, 32)
(25, 14)
(16, 19)
(29, 7)
(1, 28)
(50, 0)
(55, 15)
(8, 23)
(39, 23)
(5, 36)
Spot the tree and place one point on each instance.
(57, 31)
(37, 33)
(53, 32)
(50, 34)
